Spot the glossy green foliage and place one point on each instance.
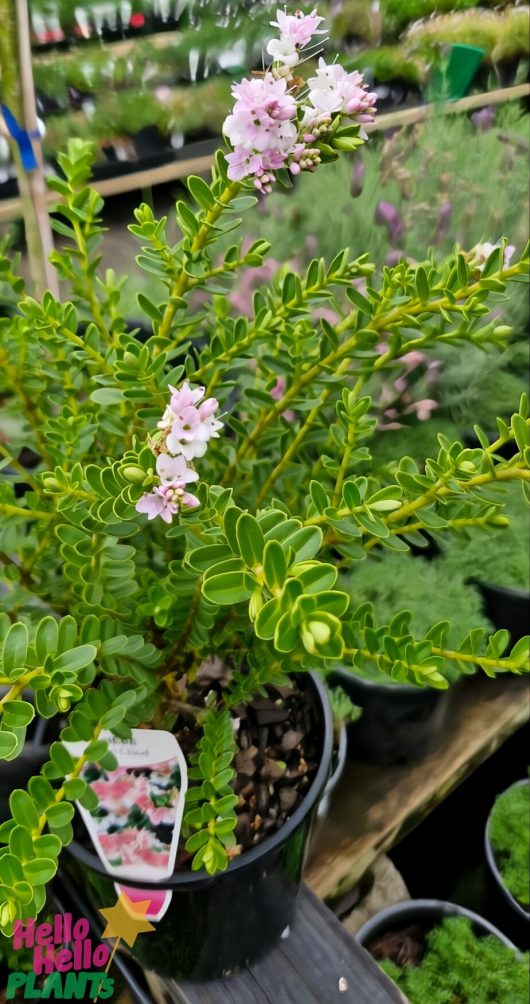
(210, 804)
(509, 832)
(459, 967)
(109, 617)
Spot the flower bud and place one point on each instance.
(321, 632)
(50, 483)
(501, 521)
(134, 473)
(255, 604)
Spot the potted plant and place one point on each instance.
(507, 843)
(444, 953)
(399, 722)
(171, 564)
(500, 567)
(343, 712)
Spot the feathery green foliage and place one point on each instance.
(459, 968)
(509, 832)
(501, 558)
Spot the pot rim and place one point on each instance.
(438, 907)
(492, 862)
(191, 879)
(385, 688)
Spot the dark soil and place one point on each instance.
(278, 753)
(403, 948)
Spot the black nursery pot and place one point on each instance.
(506, 608)
(398, 722)
(509, 912)
(219, 923)
(426, 914)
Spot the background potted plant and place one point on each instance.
(173, 570)
(502, 575)
(429, 947)
(400, 721)
(507, 843)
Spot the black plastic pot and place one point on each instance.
(216, 924)
(506, 608)
(424, 913)
(398, 723)
(513, 917)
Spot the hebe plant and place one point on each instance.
(106, 615)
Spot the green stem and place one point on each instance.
(450, 655)
(12, 510)
(16, 689)
(298, 440)
(181, 285)
(381, 323)
(452, 524)
(60, 794)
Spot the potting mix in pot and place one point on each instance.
(171, 562)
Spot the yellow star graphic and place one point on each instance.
(126, 919)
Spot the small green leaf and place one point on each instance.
(232, 587)
(15, 650)
(200, 191)
(422, 284)
(18, 714)
(23, 809)
(76, 658)
(250, 539)
(40, 870)
(60, 815)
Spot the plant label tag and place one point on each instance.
(136, 827)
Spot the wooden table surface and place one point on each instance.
(374, 806)
(319, 963)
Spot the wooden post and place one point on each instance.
(19, 96)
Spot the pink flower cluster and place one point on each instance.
(186, 426)
(260, 129)
(132, 847)
(333, 90)
(270, 127)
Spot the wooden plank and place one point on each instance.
(136, 180)
(319, 963)
(410, 116)
(373, 807)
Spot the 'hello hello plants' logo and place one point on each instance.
(67, 963)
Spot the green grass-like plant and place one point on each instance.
(509, 831)
(502, 558)
(460, 968)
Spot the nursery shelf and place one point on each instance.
(136, 180)
(373, 807)
(120, 47)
